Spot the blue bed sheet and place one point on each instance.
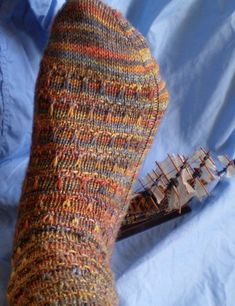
(188, 261)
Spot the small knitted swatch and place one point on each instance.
(98, 103)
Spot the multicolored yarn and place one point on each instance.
(99, 100)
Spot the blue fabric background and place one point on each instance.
(188, 261)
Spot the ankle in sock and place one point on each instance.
(98, 103)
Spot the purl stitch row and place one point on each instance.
(98, 103)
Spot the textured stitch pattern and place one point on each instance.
(98, 103)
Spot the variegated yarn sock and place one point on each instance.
(98, 103)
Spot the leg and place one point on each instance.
(99, 100)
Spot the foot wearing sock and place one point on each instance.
(98, 103)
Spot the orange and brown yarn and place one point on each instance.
(99, 101)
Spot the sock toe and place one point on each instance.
(96, 39)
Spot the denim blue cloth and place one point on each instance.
(188, 261)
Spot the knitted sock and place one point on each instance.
(99, 100)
